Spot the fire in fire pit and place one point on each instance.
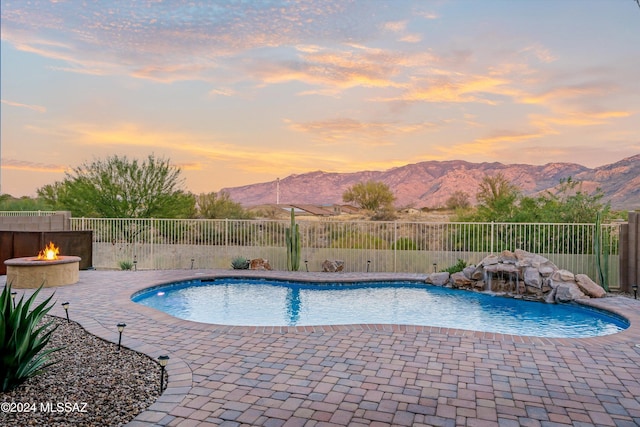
(49, 253)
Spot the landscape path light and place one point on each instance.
(306, 265)
(121, 327)
(435, 267)
(368, 264)
(65, 305)
(163, 362)
(13, 298)
(635, 291)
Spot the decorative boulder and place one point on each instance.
(563, 276)
(329, 266)
(532, 277)
(507, 257)
(490, 260)
(567, 292)
(259, 264)
(528, 259)
(459, 280)
(438, 279)
(589, 287)
(469, 271)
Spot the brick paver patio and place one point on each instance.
(362, 375)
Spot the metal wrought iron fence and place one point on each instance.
(375, 246)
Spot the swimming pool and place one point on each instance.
(267, 302)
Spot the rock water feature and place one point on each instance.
(521, 274)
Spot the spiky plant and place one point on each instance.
(240, 263)
(23, 339)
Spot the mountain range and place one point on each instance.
(429, 184)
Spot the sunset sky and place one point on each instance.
(240, 92)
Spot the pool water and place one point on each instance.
(262, 302)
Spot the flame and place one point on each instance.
(49, 253)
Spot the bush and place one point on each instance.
(240, 263)
(22, 339)
(457, 267)
(405, 244)
(126, 265)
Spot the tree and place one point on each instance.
(212, 205)
(566, 203)
(370, 195)
(497, 198)
(121, 188)
(458, 200)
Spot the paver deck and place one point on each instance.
(362, 375)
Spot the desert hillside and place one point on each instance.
(430, 184)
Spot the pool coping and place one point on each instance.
(98, 306)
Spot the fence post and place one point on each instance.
(395, 246)
(226, 233)
(492, 237)
(153, 233)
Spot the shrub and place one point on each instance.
(457, 267)
(404, 244)
(23, 339)
(240, 263)
(126, 265)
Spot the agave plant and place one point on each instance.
(23, 339)
(240, 263)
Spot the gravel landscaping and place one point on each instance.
(93, 384)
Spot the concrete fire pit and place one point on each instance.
(30, 272)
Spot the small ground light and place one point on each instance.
(635, 291)
(368, 264)
(13, 298)
(121, 327)
(135, 263)
(65, 305)
(192, 260)
(435, 267)
(306, 265)
(163, 362)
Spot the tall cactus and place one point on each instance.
(601, 253)
(292, 235)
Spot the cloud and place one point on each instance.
(578, 118)
(25, 165)
(148, 41)
(540, 52)
(508, 136)
(222, 92)
(429, 15)
(566, 93)
(190, 166)
(400, 28)
(335, 69)
(346, 130)
(411, 38)
(206, 148)
(38, 108)
(395, 27)
(454, 88)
